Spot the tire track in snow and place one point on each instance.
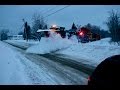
(61, 74)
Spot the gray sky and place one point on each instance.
(11, 15)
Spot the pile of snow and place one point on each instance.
(102, 42)
(74, 39)
(94, 52)
(51, 44)
(12, 70)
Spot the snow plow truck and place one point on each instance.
(85, 35)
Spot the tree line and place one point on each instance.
(113, 25)
(38, 22)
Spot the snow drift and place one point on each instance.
(93, 52)
(89, 53)
(51, 44)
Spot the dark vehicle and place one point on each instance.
(59, 30)
(107, 73)
(44, 33)
(84, 35)
(94, 37)
(70, 33)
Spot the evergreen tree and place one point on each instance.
(97, 30)
(93, 28)
(104, 33)
(73, 26)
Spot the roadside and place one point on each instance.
(44, 71)
(86, 68)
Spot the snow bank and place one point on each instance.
(11, 69)
(51, 44)
(94, 52)
(102, 42)
(91, 53)
(74, 39)
(23, 42)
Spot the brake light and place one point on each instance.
(89, 78)
(81, 33)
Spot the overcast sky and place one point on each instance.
(11, 15)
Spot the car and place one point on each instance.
(106, 73)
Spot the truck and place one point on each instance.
(59, 30)
(84, 35)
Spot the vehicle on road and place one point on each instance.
(84, 35)
(59, 30)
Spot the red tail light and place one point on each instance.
(89, 78)
(81, 33)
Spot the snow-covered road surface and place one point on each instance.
(92, 53)
(40, 70)
(11, 69)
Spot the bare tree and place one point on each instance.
(4, 34)
(38, 22)
(113, 25)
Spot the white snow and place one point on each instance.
(51, 44)
(73, 39)
(11, 69)
(17, 69)
(89, 53)
(41, 30)
(23, 42)
(93, 52)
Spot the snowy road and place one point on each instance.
(41, 70)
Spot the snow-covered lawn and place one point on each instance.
(94, 52)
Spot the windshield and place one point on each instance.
(56, 44)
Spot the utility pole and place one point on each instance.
(25, 28)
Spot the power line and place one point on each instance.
(50, 9)
(41, 11)
(57, 11)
